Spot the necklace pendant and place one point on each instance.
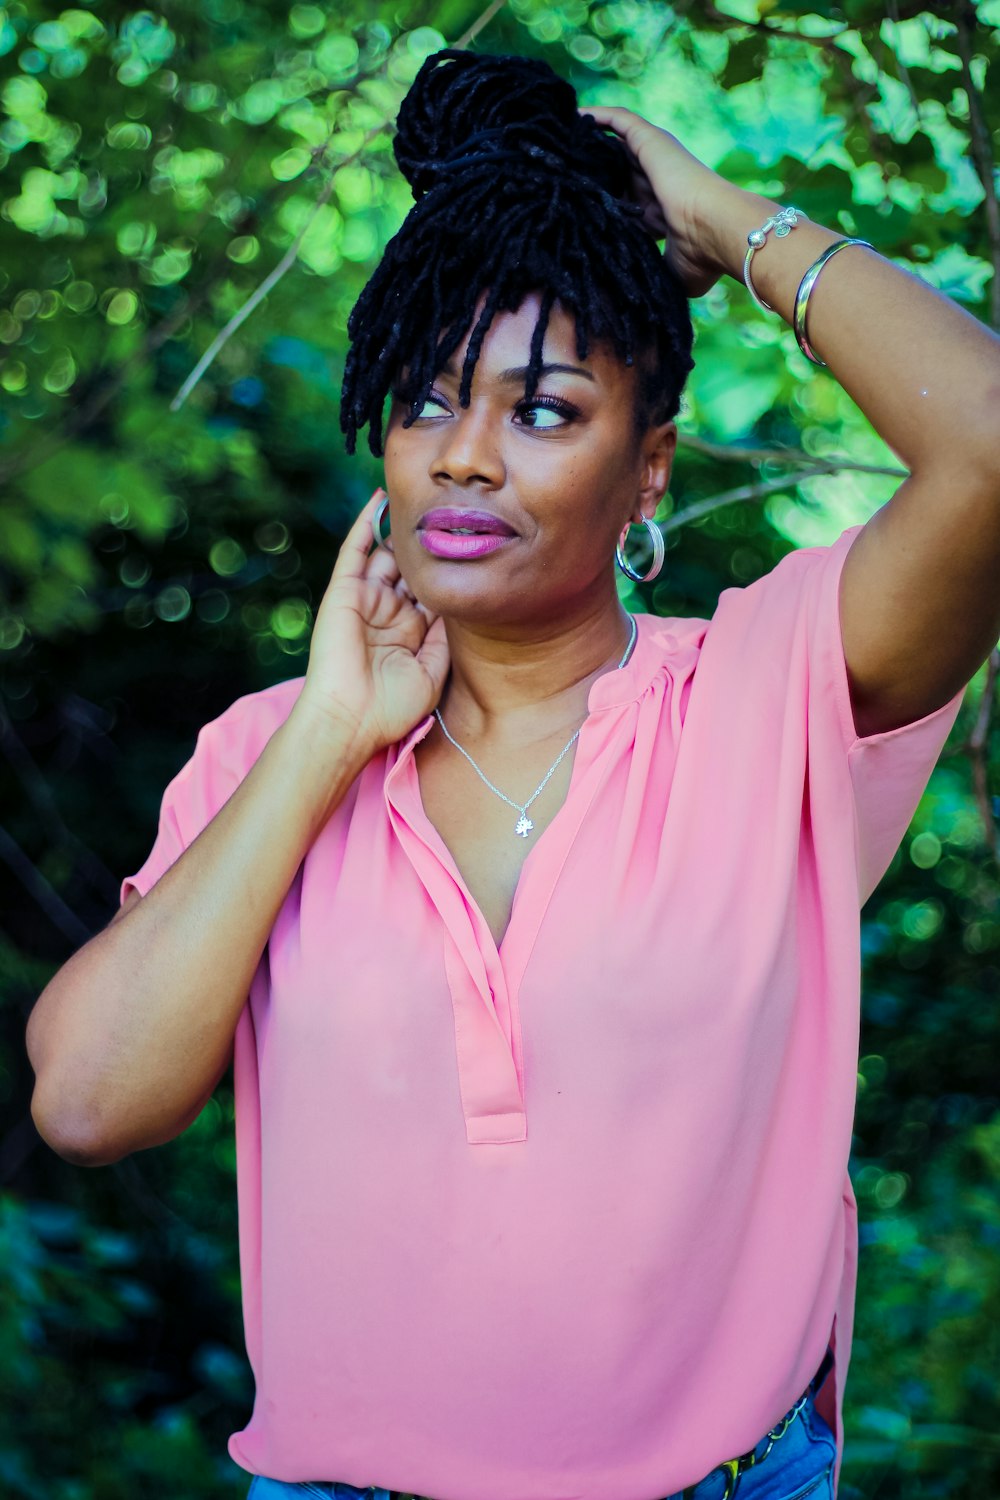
(523, 826)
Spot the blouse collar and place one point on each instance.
(657, 638)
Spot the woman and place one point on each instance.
(548, 915)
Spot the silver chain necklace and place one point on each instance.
(524, 825)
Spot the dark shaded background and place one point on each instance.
(159, 560)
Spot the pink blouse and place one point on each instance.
(571, 1219)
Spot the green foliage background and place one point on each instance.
(161, 557)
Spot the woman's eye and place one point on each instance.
(558, 411)
(432, 400)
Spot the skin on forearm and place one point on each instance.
(130, 1037)
(925, 372)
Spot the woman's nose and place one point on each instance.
(469, 448)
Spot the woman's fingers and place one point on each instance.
(434, 654)
(352, 559)
(357, 559)
(383, 566)
(625, 122)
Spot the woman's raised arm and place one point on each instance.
(920, 591)
(130, 1037)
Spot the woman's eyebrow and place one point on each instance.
(518, 374)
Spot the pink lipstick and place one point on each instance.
(459, 534)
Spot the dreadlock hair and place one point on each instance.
(514, 191)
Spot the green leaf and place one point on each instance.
(885, 230)
(745, 61)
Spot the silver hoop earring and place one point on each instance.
(377, 520)
(659, 552)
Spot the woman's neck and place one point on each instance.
(534, 682)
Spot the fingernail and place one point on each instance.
(378, 492)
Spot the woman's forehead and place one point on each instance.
(506, 347)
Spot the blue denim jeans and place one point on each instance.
(794, 1460)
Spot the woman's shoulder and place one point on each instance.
(234, 738)
(661, 630)
(666, 640)
(266, 708)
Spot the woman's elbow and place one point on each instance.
(75, 1141)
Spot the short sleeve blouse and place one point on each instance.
(571, 1217)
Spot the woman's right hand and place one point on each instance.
(377, 659)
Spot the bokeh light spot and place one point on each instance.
(226, 557)
(173, 603)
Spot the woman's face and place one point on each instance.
(544, 487)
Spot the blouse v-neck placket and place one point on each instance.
(485, 980)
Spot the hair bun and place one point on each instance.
(462, 104)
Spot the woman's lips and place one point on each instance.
(463, 533)
(459, 544)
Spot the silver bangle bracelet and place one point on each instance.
(783, 222)
(802, 296)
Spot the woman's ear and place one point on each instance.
(658, 448)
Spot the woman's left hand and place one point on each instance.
(680, 196)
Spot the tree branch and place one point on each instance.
(861, 94)
(975, 749)
(859, 91)
(764, 487)
(89, 408)
(765, 28)
(981, 146)
(291, 254)
(728, 453)
(274, 276)
(40, 796)
(904, 71)
(47, 897)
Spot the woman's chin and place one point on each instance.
(480, 589)
(473, 606)
(491, 592)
